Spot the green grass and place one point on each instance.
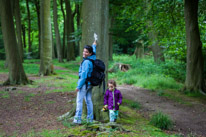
(145, 73)
(129, 119)
(28, 97)
(161, 121)
(131, 104)
(2, 68)
(47, 133)
(4, 94)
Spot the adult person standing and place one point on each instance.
(84, 88)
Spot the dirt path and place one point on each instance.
(189, 119)
(27, 109)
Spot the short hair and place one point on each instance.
(89, 48)
(112, 82)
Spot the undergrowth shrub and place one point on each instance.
(147, 74)
(161, 121)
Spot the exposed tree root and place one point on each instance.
(24, 82)
(106, 127)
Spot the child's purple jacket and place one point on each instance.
(108, 99)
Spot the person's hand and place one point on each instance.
(118, 103)
(95, 42)
(76, 89)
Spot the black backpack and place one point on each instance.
(97, 75)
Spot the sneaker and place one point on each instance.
(75, 124)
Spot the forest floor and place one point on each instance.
(187, 113)
(28, 108)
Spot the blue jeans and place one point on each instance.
(86, 94)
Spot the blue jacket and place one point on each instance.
(85, 69)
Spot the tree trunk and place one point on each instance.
(69, 19)
(64, 33)
(77, 10)
(24, 35)
(53, 48)
(46, 39)
(39, 26)
(16, 70)
(153, 37)
(194, 71)
(111, 19)
(78, 20)
(155, 47)
(96, 20)
(139, 51)
(18, 28)
(57, 36)
(29, 26)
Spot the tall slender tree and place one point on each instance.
(194, 71)
(56, 29)
(29, 26)
(69, 20)
(16, 70)
(64, 32)
(153, 36)
(37, 5)
(96, 20)
(46, 39)
(18, 28)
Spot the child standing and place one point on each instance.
(112, 100)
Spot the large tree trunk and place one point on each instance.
(46, 39)
(69, 20)
(39, 26)
(96, 20)
(29, 26)
(64, 32)
(16, 70)
(194, 72)
(18, 28)
(57, 36)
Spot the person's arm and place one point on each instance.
(119, 99)
(106, 99)
(94, 46)
(84, 73)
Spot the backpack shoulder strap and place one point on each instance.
(87, 59)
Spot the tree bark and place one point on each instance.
(111, 19)
(139, 51)
(64, 33)
(194, 71)
(29, 26)
(155, 47)
(46, 39)
(24, 35)
(96, 20)
(39, 26)
(18, 28)
(16, 70)
(56, 29)
(70, 44)
(153, 37)
(77, 8)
